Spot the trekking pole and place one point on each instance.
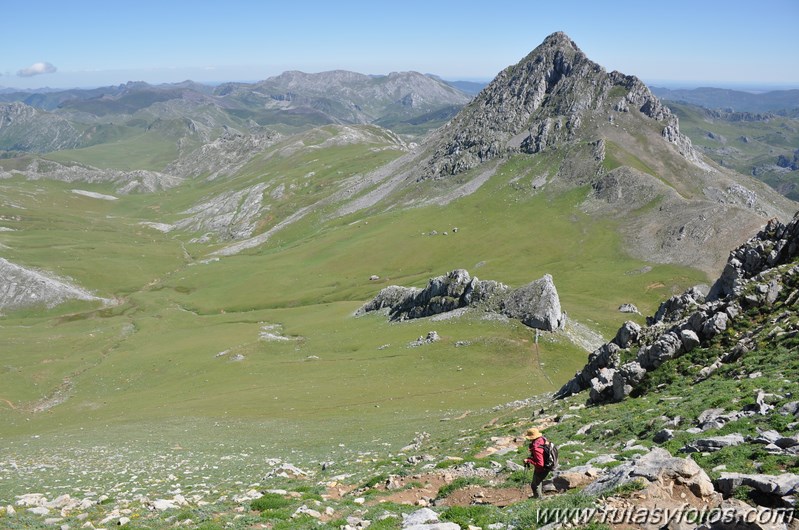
(525, 482)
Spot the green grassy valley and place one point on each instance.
(166, 348)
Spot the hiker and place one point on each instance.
(536, 460)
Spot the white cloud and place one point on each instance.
(37, 69)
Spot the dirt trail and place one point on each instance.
(421, 490)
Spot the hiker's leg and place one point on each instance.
(536, 484)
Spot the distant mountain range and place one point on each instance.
(407, 102)
(777, 101)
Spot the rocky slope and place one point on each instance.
(27, 129)
(223, 156)
(21, 288)
(135, 181)
(758, 273)
(763, 145)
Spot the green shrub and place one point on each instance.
(270, 501)
(742, 493)
(480, 515)
(389, 523)
(627, 488)
(374, 481)
(184, 515)
(304, 521)
(210, 526)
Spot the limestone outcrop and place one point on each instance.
(22, 287)
(536, 304)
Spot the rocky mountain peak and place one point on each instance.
(559, 39)
(550, 98)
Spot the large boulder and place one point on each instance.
(781, 485)
(629, 333)
(626, 378)
(713, 443)
(536, 304)
(602, 385)
(656, 466)
(666, 347)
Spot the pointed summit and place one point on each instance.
(559, 40)
(552, 97)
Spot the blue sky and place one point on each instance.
(677, 43)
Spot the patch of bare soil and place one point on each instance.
(474, 494)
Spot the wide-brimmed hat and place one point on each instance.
(532, 434)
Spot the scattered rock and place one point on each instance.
(572, 478)
(304, 510)
(714, 443)
(162, 505)
(430, 338)
(663, 436)
(781, 485)
(629, 308)
(790, 409)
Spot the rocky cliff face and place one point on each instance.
(550, 98)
